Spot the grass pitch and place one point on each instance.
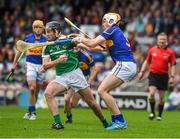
(86, 125)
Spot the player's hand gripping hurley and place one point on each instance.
(73, 25)
(12, 70)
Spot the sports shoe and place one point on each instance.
(69, 119)
(117, 125)
(151, 116)
(158, 118)
(57, 126)
(26, 116)
(32, 116)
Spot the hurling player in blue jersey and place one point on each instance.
(86, 65)
(124, 70)
(33, 64)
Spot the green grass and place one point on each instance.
(86, 125)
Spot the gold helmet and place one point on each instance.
(112, 18)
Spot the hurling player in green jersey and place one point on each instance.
(68, 75)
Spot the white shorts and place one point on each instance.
(126, 71)
(74, 80)
(33, 72)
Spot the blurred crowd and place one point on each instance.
(144, 20)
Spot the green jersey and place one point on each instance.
(62, 47)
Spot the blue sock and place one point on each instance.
(119, 117)
(113, 117)
(31, 109)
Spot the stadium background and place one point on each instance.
(144, 20)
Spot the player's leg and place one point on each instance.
(109, 83)
(51, 90)
(153, 84)
(32, 99)
(31, 76)
(152, 91)
(33, 115)
(75, 99)
(161, 104)
(122, 72)
(67, 105)
(78, 83)
(89, 99)
(162, 87)
(39, 82)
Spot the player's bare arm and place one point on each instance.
(93, 74)
(143, 69)
(17, 55)
(90, 42)
(172, 73)
(47, 63)
(91, 49)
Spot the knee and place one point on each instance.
(48, 94)
(66, 99)
(101, 92)
(32, 89)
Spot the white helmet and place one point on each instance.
(112, 18)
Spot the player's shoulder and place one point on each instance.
(30, 35)
(112, 29)
(169, 50)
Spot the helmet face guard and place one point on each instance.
(111, 18)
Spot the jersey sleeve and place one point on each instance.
(91, 61)
(45, 52)
(25, 38)
(172, 58)
(88, 58)
(107, 33)
(148, 58)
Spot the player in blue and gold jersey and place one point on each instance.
(125, 68)
(33, 64)
(86, 65)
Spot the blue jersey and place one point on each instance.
(34, 55)
(86, 61)
(118, 45)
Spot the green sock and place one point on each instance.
(57, 118)
(105, 123)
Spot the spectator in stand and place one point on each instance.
(173, 102)
(176, 46)
(133, 43)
